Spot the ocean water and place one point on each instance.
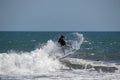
(31, 56)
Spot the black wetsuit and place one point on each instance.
(62, 42)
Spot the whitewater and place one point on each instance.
(40, 64)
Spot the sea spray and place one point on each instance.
(75, 39)
(77, 42)
(36, 61)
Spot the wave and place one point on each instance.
(39, 60)
(36, 61)
(91, 65)
(38, 64)
(30, 62)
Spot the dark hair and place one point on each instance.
(62, 36)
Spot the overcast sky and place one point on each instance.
(59, 15)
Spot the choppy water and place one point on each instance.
(26, 56)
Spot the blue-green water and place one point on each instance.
(96, 45)
(31, 56)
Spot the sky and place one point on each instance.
(59, 15)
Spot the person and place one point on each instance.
(62, 42)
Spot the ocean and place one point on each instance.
(32, 56)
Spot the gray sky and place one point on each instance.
(59, 15)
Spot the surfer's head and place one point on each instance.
(62, 36)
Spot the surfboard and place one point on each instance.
(67, 54)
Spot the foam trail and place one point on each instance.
(36, 61)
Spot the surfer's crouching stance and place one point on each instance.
(62, 42)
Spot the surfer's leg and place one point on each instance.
(63, 49)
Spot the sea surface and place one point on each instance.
(32, 56)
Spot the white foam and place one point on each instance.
(36, 61)
(66, 75)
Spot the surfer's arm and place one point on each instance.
(69, 45)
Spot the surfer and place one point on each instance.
(62, 42)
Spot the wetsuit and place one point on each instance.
(62, 42)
